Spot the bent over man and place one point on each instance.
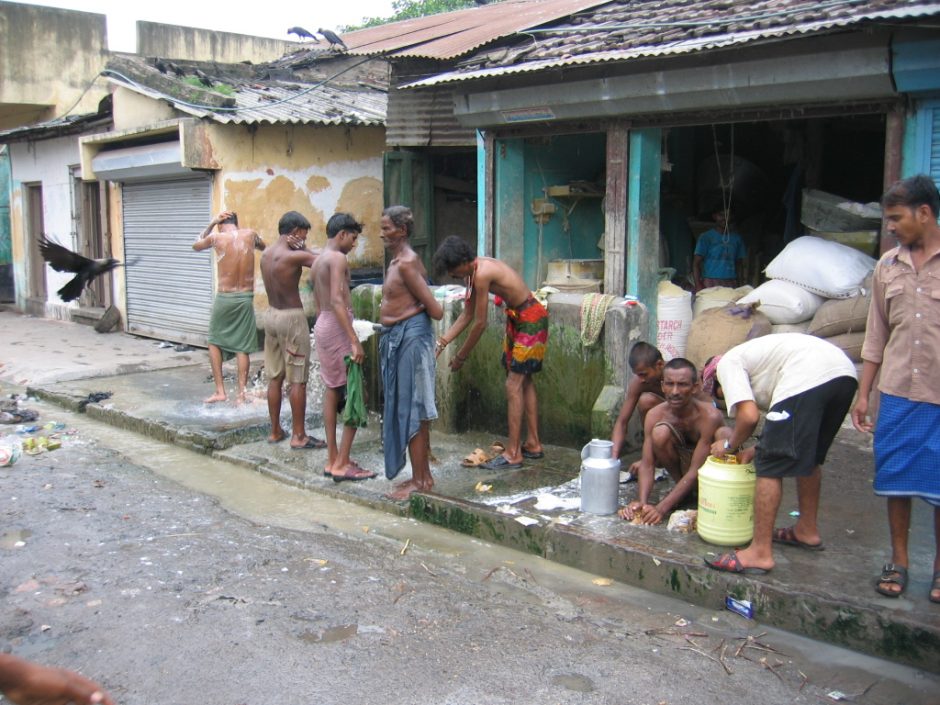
(523, 346)
(806, 385)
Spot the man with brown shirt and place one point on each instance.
(232, 330)
(286, 333)
(902, 341)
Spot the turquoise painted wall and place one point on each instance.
(555, 161)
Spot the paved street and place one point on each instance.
(175, 578)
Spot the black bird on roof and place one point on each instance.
(85, 269)
(203, 78)
(301, 33)
(180, 73)
(332, 38)
(160, 65)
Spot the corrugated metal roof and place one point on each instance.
(66, 125)
(632, 29)
(449, 35)
(283, 100)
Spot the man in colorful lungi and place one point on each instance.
(232, 330)
(523, 345)
(902, 341)
(336, 340)
(407, 355)
(806, 386)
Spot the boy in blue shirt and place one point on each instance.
(720, 253)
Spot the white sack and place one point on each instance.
(827, 268)
(783, 302)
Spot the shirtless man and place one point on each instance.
(523, 346)
(232, 329)
(678, 435)
(644, 391)
(407, 354)
(336, 339)
(286, 334)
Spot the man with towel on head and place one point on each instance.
(232, 330)
(336, 340)
(407, 352)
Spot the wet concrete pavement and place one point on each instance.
(826, 595)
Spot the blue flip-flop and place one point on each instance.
(311, 444)
(500, 463)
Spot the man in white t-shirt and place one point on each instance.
(806, 385)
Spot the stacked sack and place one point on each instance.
(817, 286)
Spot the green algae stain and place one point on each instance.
(674, 582)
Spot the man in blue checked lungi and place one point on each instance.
(902, 340)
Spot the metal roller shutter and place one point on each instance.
(169, 289)
(933, 164)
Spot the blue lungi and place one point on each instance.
(406, 350)
(907, 449)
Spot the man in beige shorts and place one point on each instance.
(286, 333)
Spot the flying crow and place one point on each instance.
(301, 33)
(332, 38)
(63, 260)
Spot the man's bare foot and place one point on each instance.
(243, 398)
(277, 435)
(215, 398)
(404, 490)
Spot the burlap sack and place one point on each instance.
(850, 344)
(838, 316)
(717, 330)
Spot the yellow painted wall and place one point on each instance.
(315, 170)
(131, 110)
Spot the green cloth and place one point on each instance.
(232, 325)
(354, 413)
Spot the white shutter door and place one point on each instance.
(169, 289)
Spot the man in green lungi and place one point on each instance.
(232, 330)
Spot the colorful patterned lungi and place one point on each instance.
(526, 337)
(907, 449)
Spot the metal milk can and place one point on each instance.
(600, 478)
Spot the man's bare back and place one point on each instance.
(501, 279)
(280, 269)
(330, 265)
(235, 259)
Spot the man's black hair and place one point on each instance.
(452, 253)
(913, 192)
(290, 221)
(401, 217)
(680, 363)
(342, 221)
(644, 354)
(231, 220)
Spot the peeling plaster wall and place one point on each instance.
(315, 170)
(46, 163)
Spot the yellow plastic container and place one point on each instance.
(726, 501)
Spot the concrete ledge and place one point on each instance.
(825, 617)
